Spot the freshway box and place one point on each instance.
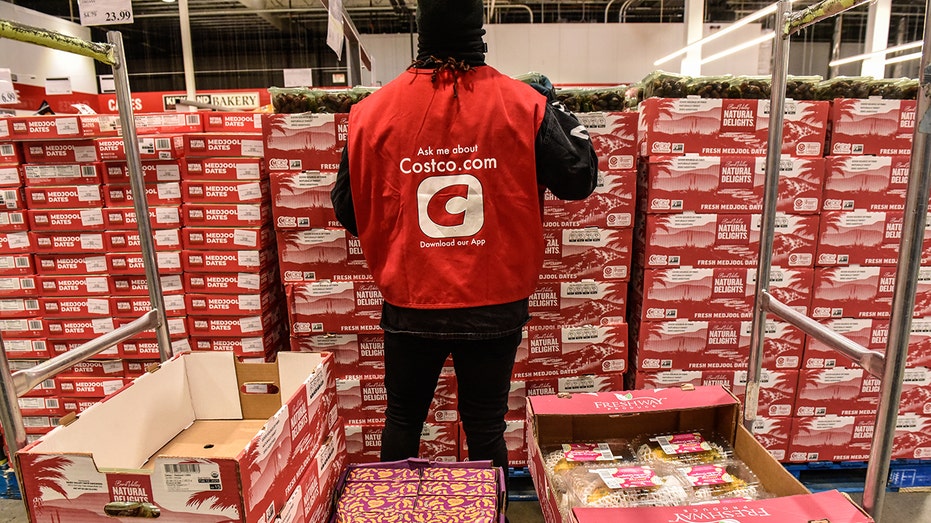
(222, 169)
(611, 205)
(226, 215)
(584, 302)
(152, 171)
(730, 184)
(868, 183)
(48, 220)
(233, 122)
(225, 238)
(220, 446)
(155, 147)
(718, 127)
(225, 191)
(121, 195)
(44, 127)
(223, 144)
(863, 292)
(726, 240)
(123, 241)
(228, 261)
(301, 199)
(614, 136)
(873, 126)
(305, 141)
(230, 283)
(864, 238)
(321, 254)
(63, 197)
(561, 351)
(73, 151)
(714, 345)
(360, 354)
(37, 174)
(333, 307)
(592, 252)
(872, 334)
(17, 243)
(163, 217)
(554, 420)
(718, 293)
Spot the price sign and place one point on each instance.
(105, 12)
(7, 91)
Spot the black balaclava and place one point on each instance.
(450, 29)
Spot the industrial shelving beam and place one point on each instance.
(14, 385)
(891, 366)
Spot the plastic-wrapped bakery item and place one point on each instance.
(560, 461)
(731, 480)
(587, 100)
(627, 486)
(687, 448)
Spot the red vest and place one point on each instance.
(445, 188)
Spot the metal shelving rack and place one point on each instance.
(891, 366)
(14, 385)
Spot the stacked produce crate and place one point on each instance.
(233, 296)
(698, 231)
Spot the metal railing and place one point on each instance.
(14, 385)
(891, 366)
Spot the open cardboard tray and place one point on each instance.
(556, 419)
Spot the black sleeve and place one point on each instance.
(341, 196)
(566, 160)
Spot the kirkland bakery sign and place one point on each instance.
(237, 100)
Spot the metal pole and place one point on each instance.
(903, 297)
(836, 44)
(768, 224)
(187, 52)
(11, 419)
(131, 145)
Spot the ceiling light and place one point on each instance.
(903, 58)
(883, 52)
(739, 47)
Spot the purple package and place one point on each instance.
(461, 516)
(457, 488)
(359, 504)
(379, 517)
(458, 474)
(456, 503)
(382, 474)
(381, 488)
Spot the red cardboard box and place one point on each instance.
(10, 174)
(17, 286)
(75, 285)
(714, 345)
(333, 307)
(579, 303)
(77, 405)
(873, 126)
(588, 383)
(17, 243)
(91, 387)
(128, 241)
(228, 261)
(169, 262)
(614, 136)
(871, 334)
(612, 204)
(226, 215)
(230, 304)
(99, 125)
(153, 147)
(158, 123)
(45, 127)
(222, 169)
(233, 122)
(12, 198)
(831, 438)
(730, 184)
(121, 195)
(75, 307)
(79, 328)
(233, 326)
(840, 391)
(773, 435)
(305, 141)
(320, 254)
(138, 286)
(223, 144)
(10, 153)
(230, 283)
(222, 191)
(19, 307)
(23, 327)
(157, 171)
(726, 240)
(23, 349)
(134, 307)
(148, 350)
(125, 218)
(360, 354)
(863, 292)
(15, 264)
(39, 174)
(514, 438)
(14, 221)
(438, 442)
(225, 238)
(301, 199)
(714, 126)
(48, 220)
(61, 151)
(265, 344)
(718, 293)
(575, 254)
(64, 197)
(96, 369)
(57, 347)
(363, 401)
(41, 406)
(864, 238)
(572, 351)
(777, 388)
(868, 183)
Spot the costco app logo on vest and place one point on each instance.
(450, 206)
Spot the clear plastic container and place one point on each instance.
(602, 99)
(306, 100)
(685, 448)
(731, 480)
(562, 460)
(627, 486)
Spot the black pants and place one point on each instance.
(483, 372)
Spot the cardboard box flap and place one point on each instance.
(212, 382)
(136, 426)
(771, 471)
(632, 401)
(259, 389)
(294, 369)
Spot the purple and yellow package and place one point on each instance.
(458, 474)
(456, 503)
(457, 488)
(381, 488)
(359, 504)
(382, 474)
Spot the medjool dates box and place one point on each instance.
(266, 343)
(61, 346)
(614, 136)
(333, 307)
(17, 286)
(222, 169)
(831, 438)
(12, 198)
(73, 151)
(99, 125)
(863, 292)
(158, 123)
(223, 144)
(38, 174)
(872, 126)
(228, 261)
(134, 307)
(148, 349)
(23, 349)
(226, 215)
(230, 304)
(718, 293)
(69, 242)
(841, 391)
(121, 195)
(95, 369)
(864, 238)
(714, 345)
(42, 406)
(153, 171)
(128, 241)
(64, 197)
(23, 327)
(360, 354)
(730, 184)
(721, 127)
(13, 264)
(86, 328)
(222, 191)
(75, 307)
(75, 285)
(18, 243)
(230, 283)
(151, 147)
(570, 351)
(225, 238)
(773, 435)
(305, 141)
(438, 442)
(867, 183)
(14, 221)
(610, 206)
(139, 286)
(870, 333)
(45, 127)
(581, 302)
(125, 218)
(169, 262)
(574, 384)
(726, 240)
(10, 174)
(592, 252)
(43, 220)
(10, 153)
(233, 122)
(241, 325)
(301, 199)
(321, 254)
(19, 308)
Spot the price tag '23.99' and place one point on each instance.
(105, 12)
